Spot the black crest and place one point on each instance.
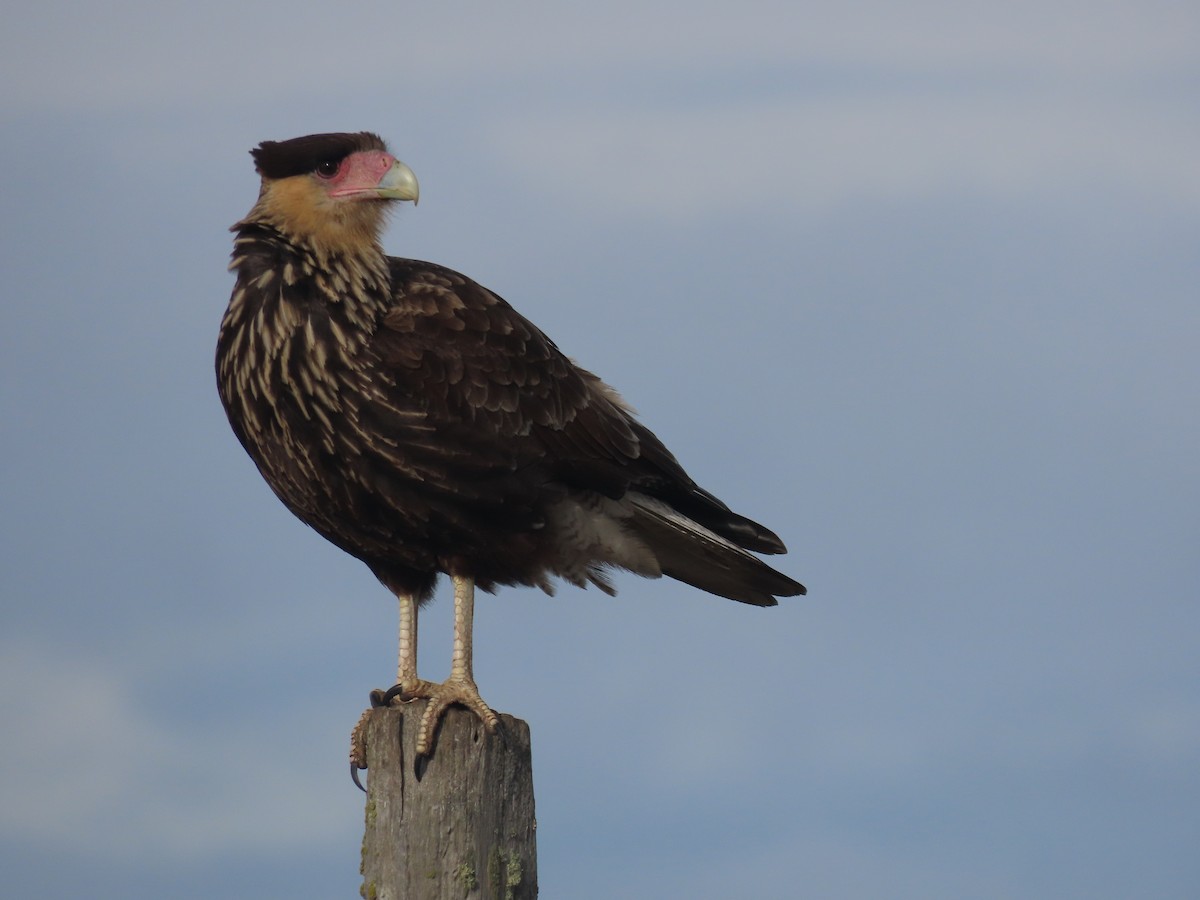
(282, 159)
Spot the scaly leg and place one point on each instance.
(460, 687)
(408, 684)
(407, 681)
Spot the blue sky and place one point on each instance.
(915, 286)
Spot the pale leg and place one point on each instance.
(460, 687)
(406, 667)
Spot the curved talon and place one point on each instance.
(386, 697)
(441, 698)
(358, 745)
(429, 722)
(416, 689)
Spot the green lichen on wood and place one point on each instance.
(504, 873)
(513, 873)
(369, 890)
(362, 853)
(465, 875)
(496, 872)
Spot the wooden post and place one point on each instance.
(457, 825)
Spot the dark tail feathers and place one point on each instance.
(695, 555)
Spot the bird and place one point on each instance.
(418, 422)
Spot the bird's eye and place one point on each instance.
(327, 168)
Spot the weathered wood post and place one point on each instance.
(458, 825)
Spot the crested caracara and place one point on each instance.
(416, 420)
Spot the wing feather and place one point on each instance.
(497, 392)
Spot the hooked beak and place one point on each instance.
(362, 179)
(398, 183)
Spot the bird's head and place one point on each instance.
(332, 190)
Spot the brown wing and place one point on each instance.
(514, 418)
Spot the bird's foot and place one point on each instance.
(407, 690)
(358, 744)
(440, 697)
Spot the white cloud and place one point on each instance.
(87, 766)
(663, 110)
(129, 54)
(822, 152)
